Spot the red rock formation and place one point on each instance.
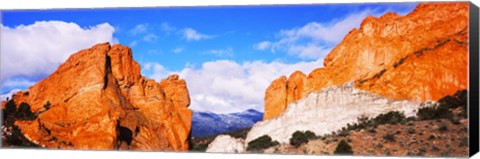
(275, 98)
(296, 84)
(421, 56)
(98, 100)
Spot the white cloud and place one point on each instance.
(15, 83)
(263, 45)
(228, 52)
(158, 72)
(310, 51)
(150, 37)
(167, 27)
(139, 29)
(315, 40)
(36, 50)
(191, 34)
(226, 86)
(177, 50)
(9, 94)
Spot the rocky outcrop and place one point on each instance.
(419, 57)
(275, 98)
(226, 144)
(296, 86)
(98, 100)
(329, 110)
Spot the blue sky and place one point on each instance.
(243, 48)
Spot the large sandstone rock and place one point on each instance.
(275, 98)
(296, 84)
(419, 57)
(99, 100)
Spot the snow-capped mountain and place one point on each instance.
(208, 123)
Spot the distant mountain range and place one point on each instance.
(208, 123)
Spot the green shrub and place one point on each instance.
(343, 148)
(449, 102)
(364, 122)
(435, 112)
(24, 112)
(47, 105)
(299, 137)
(17, 138)
(443, 128)
(392, 117)
(10, 107)
(200, 147)
(389, 137)
(260, 143)
(443, 109)
(462, 96)
(309, 134)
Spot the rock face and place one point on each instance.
(419, 57)
(99, 100)
(226, 144)
(275, 98)
(329, 110)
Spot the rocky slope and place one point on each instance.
(421, 56)
(208, 124)
(432, 138)
(329, 110)
(98, 100)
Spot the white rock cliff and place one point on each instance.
(329, 110)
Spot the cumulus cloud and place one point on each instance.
(36, 50)
(315, 40)
(157, 71)
(192, 35)
(225, 86)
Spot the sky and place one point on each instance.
(228, 55)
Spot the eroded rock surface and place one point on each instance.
(421, 56)
(99, 100)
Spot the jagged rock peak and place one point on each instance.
(99, 100)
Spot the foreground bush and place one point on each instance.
(261, 143)
(343, 148)
(11, 134)
(435, 112)
(299, 138)
(24, 112)
(392, 117)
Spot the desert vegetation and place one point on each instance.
(299, 137)
(261, 143)
(393, 133)
(343, 148)
(12, 136)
